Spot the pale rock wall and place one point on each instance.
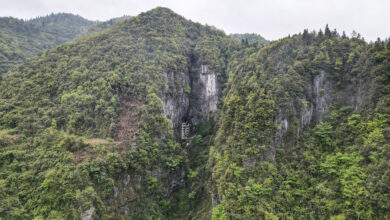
(205, 94)
(322, 93)
(175, 99)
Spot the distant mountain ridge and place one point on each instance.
(21, 39)
(251, 38)
(100, 26)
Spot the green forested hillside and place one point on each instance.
(10, 53)
(22, 39)
(298, 129)
(63, 115)
(271, 160)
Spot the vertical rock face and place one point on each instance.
(209, 93)
(205, 92)
(320, 94)
(305, 117)
(175, 98)
(283, 126)
(324, 93)
(321, 89)
(282, 123)
(177, 104)
(359, 92)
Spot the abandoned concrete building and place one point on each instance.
(185, 130)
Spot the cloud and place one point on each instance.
(271, 18)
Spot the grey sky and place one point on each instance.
(271, 18)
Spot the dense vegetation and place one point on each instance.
(82, 127)
(251, 39)
(61, 154)
(23, 39)
(336, 166)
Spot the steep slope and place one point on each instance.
(304, 132)
(22, 39)
(95, 124)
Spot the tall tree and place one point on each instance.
(306, 36)
(327, 31)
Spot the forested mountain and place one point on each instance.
(251, 39)
(158, 117)
(304, 131)
(94, 122)
(100, 26)
(22, 39)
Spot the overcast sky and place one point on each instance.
(273, 19)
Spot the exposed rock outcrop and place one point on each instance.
(175, 97)
(87, 215)
(322, 93)
(205, 94)
(190, 97)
